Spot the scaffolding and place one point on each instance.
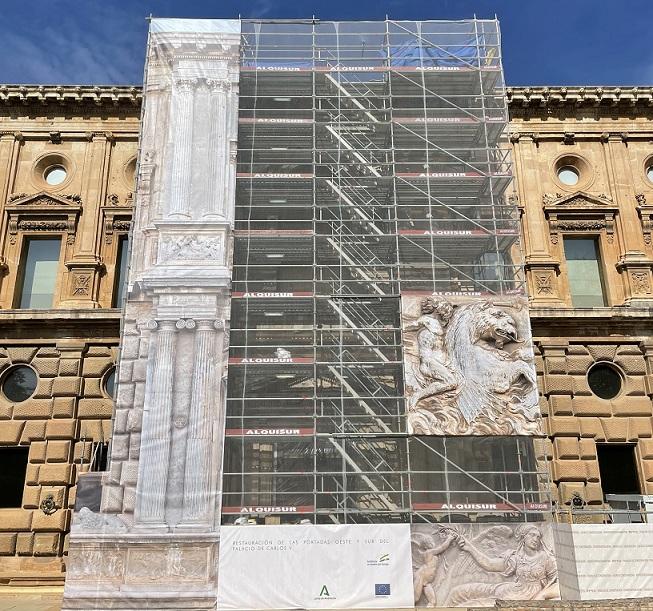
(370, 165)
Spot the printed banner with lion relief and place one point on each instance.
(469, 366)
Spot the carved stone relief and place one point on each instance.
(461, 565)
(469, 367)
(190, 248)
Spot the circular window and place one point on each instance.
(110, 382)
(568, 175)
(19, 383)
(55, 175)
(649, 173)
(604, 381)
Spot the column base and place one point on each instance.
(141, 571)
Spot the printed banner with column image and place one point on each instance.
(469, 366)
(473, 565)
(315, 567)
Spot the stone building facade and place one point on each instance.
(583, 161)
(67, 164)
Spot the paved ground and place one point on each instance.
(30, 599)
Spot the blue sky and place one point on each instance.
(552, 42)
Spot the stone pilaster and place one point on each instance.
(181, 134)
(155, 435)
(542, 269)
(199, 503)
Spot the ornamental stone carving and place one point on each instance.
(641, 283)
(190, 248)
(544, 283)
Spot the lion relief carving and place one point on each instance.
(469, 368)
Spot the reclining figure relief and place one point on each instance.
(469, 368)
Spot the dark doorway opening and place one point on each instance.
(618, 468)
(13, 466)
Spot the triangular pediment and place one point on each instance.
(44, 199)
(577, 200)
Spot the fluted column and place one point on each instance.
(199, 470)
(155, 436)
(218, 91)
(182, 142)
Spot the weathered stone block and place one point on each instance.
(34, 409)
(112, 499)
(93, 388)
(90, 430)
(639, 427)
(646, 448)
(58, 521)
(602, 352)
(10, 431)
(95, 408)
(31, 497)
(7, 544)
(632, 406)
(129, 499)
(560, 405)
(64, 407)
(55, 474)
(591, 406)
(129, 347)
(135, 446)
(558, 384)
(587, 449)
(95, 367)
(24, 544)
(61, 429)
(139, 370)
(566, 447)
(569, 470)
(125, 371)
(554, 365)
(615, 429)
(66, 386)
(58, 451)
(591, 427)
(567, 490)
(21, 354)
(647, 470)
(632, 365)
(32, 474)
(15, 519)
(129, 473)
(120, 447)
(46, 367)
(563, 425)
(578, 364)
(72, 495)
(34, 430)
(46, 544)
(106, 429)
(43, 389)
(69, 367)
(82, 452)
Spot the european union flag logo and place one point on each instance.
(381, 589)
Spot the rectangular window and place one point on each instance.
(584, 272)
(13, 467)
(39, 266)
(618, 468)
(121, 272)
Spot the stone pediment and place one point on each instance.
(578, 201)
(42, 199)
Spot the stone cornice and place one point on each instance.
(555, 97)
(71, 95)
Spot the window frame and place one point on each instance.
(596, 238)
(19, 285)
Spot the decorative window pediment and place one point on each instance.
(579, 211)
(43, 212)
